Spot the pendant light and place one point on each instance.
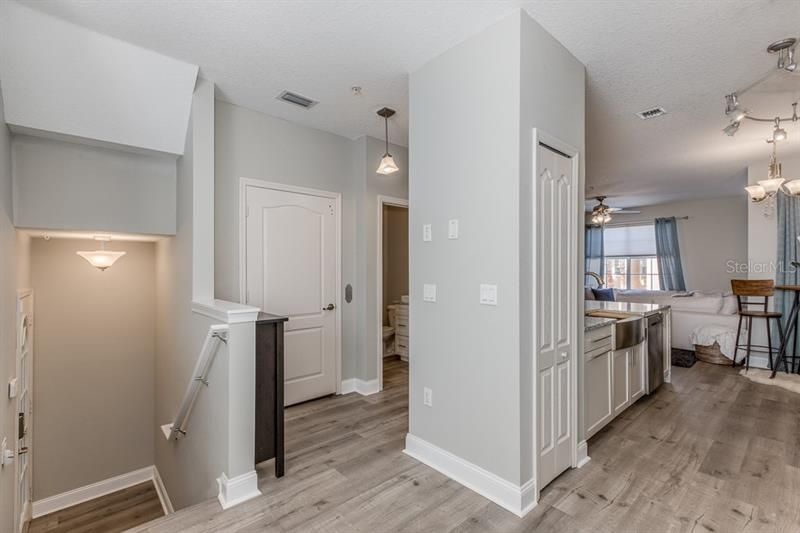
(101, 259)
(387, 166)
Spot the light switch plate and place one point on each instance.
(429, 292)
(488, 294)
(427, 233)
(427, 396)
(12, 388)
(452, 229)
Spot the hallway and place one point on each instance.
(711, 452)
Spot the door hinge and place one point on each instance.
(247, 211)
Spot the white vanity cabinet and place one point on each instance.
(613, 380)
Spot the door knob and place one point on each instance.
(330, 307)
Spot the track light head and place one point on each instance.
(731, 129)
(778, 134)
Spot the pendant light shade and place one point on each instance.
(756, 192)
(387, 166)
(101, 259)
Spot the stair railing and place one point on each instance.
(216, 335)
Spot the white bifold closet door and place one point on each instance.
(555, 215)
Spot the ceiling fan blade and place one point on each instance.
(621, 211)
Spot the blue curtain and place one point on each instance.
(788, 251)
(594, 251)
(668, 254)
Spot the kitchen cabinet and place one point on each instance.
(636, 373)
(613, 380)
(597, 380)
(620, 379)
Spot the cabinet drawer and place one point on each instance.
(401, 329)
(401, 311)
(597, 351)
(401, 345)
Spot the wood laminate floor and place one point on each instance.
(711, 452)
(115, 512)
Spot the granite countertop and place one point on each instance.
(594, 322)
(625, 307)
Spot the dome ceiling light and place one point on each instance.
(101, 259)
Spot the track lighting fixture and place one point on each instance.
(736, 112)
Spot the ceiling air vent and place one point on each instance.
(297, 99)
(651, 113)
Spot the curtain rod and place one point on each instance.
(639, 222)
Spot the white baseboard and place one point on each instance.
(520, 500)
(583, 454)
(166, 503)
(237, 489)
(102, 488)
(361, 386)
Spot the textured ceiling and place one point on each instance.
(684, 55)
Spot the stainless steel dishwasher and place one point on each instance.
(655, 352)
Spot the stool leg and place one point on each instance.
(736, 348)
(769, 344)
(749, 335)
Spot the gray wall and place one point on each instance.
(62, 185)
(368, 152)
(8, 286)
(395, 255)
(94, 364)
(189, 466)
(464, 137)
(715, 233)
(472, 112)
(254, 145)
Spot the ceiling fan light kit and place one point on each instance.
(766, 190)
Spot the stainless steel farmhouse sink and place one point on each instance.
(629, 330)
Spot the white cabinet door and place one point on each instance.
(637, 371)
(598, 397)
(555, 317)
(621, 380)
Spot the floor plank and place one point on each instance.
(711, 451)
(114, 512)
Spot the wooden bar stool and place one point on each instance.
(749, 293)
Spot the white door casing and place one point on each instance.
(556, 212)
(23, 489)
(292, 269)
(382, 201)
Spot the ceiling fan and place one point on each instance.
(601, 213)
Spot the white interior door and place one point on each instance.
(291, 263)
(555, 209)
(23, 489)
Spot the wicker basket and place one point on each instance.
(711, 354)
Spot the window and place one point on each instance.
(630, 257)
